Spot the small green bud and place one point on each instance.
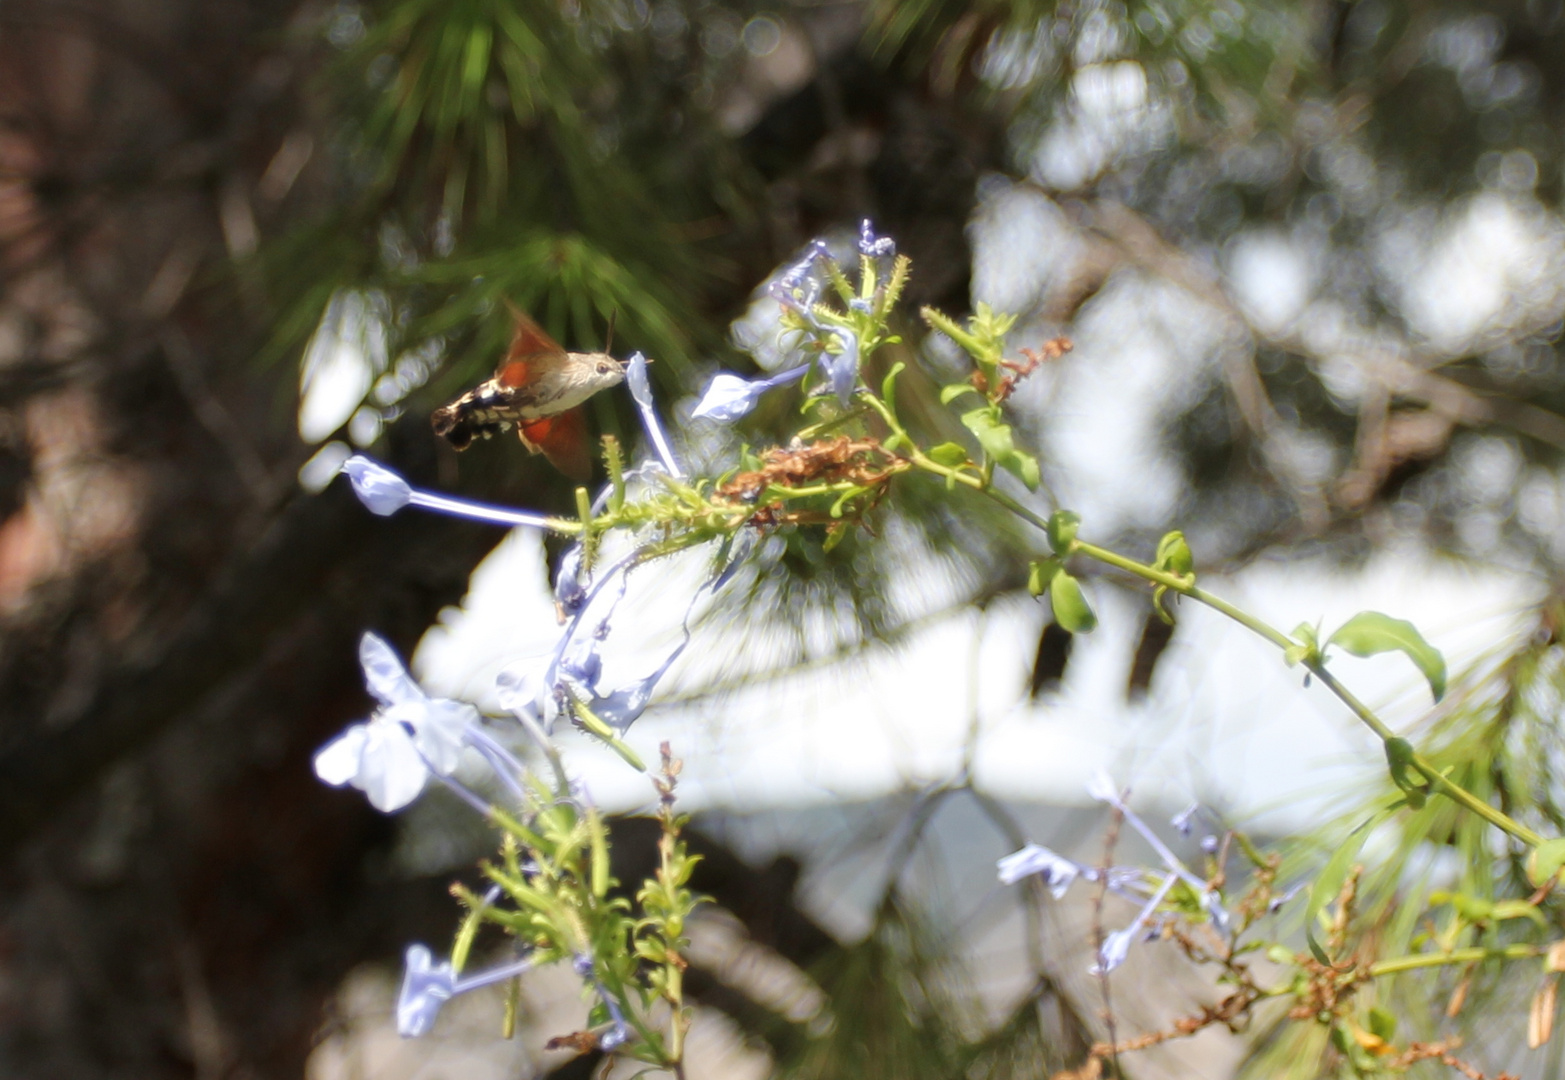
(1062, 530)
(1173, 554)
(1040, 573)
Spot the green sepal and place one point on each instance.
(949, 454)
(888, 386)
(590, 723)
(1305, 648)
(1062, 529)
(1071, 609)
(1040, 573)
(1370, 632)
(1399, 757)
(1546, 861)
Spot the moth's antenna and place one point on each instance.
(608, 338)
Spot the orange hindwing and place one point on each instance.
(562, 438)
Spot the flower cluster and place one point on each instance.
(553, 869)
(1144, 887)
(839, 340)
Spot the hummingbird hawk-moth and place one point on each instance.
(538, 389)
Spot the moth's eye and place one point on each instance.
(605, 368)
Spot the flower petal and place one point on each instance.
(391, 772)
(384, 674)
(875, 246)
(337, 763)
(426, 987)
(842, 368)
(440, 731)
(382, 491)
(728, 397)
(1057, 871)
(518, 691)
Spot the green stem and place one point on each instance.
(1185, 586)
(1455, 956)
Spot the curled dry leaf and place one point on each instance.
(1540, 1018)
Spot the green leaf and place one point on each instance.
(994, 434)
(1328, 883)
(1382, 1023)
(1173, 554)
(1063, 525)
(1040, 574)
(1546, 861)
(1071, 610)
(950, 393)
(1399, 756)
(1370, 632)
(1024, 467)
(949, 454)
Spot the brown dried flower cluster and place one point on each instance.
(864, 462)
(1018, 370)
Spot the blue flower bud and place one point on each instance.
(382, 491)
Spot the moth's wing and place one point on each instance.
(562, 438)
(531, 349)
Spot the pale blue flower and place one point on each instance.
(1057, 872)
(798, 288)
(729, 397)
(876, 247)
(1102, 788)
(842, 367)
(569, 592)
(1184, 821)
(391, 755)
(1116, 945)
(427, 986)
(384, 492)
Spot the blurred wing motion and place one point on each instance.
(532, 351)
(562, 438)
(523, 394)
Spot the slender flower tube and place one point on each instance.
(1103, 788)
(641, 391)
(383, 492)
(1117, 945)
(427, 986)
(619, 1033)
